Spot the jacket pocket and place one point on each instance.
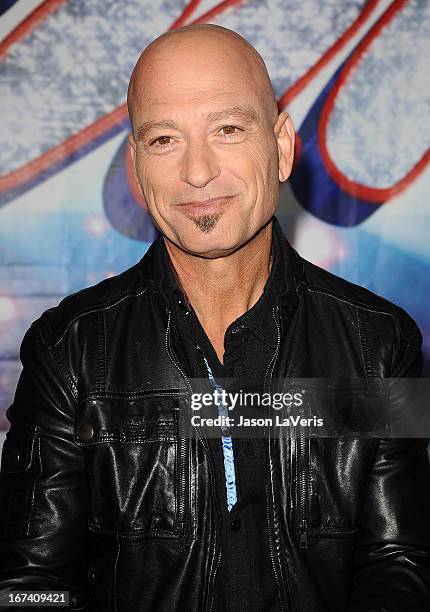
(338, 471)
(137, 462)
(20, 468)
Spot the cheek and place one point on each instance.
(266, 164)
(256, 166)
(152, 177)
(147, 171)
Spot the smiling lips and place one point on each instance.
(206, 207)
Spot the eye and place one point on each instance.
(230, 130)
(162, 141)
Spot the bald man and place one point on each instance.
(108, 494)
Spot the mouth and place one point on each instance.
(205, 207)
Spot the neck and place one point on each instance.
(221, 290)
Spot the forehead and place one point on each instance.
(181, 107)
(195, 82)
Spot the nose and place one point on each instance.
(199, 164)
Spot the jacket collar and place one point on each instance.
(282, 285)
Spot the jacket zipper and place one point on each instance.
(269, 373)
(181, 502)
(302, 483)
(183, 442)
(302, 448)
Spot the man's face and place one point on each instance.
(205, 150)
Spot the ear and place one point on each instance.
(285, 137)
(132, 151)
(132, 145)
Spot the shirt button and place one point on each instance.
(235, 525)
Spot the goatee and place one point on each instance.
(206, 223)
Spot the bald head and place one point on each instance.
(204, 48)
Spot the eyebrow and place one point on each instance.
(244, 113)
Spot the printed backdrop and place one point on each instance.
(354, 76)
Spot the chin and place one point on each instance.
(212, 235)
(209, 250)
(211, 245)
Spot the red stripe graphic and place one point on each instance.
(301, 83)
(358, 190)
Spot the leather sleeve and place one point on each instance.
(43, 490)
(392, 560)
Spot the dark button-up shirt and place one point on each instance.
(245, 579)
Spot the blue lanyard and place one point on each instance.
(227, 447)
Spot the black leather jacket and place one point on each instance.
(101, 497)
